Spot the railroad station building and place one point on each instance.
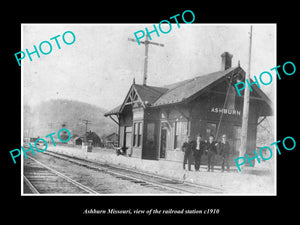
(155, 121)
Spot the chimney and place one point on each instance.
(226, 61)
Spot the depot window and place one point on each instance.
(137, 138)
(140, 128)
(180, 133)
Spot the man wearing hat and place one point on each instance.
(224, 149)
(198, 151)
(211, 149)
(187, 149)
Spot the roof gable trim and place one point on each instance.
(132, 97)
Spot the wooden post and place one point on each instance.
(86, 124)
(243, 147)
(146, 43)
(146, 61)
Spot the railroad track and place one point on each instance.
(40, 178)
(145, 179)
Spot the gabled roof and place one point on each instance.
(146, 94)
(149, 93)
(76, 138)
(111, 135)
(182, 91)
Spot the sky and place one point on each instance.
(99, 67)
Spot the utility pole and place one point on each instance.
(50, 125)
(86, 124)
(246, 105)
(146, 43)
(29, 129)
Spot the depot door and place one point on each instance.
(149, 150)
(127, 137)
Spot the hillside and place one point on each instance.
(50, 116)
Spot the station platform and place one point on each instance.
(259, 180)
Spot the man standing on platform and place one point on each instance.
(198, 151)
(211, 150)
(224, 149)
(187, 149)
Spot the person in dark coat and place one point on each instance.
(224, 150)
(211, 149)
(198, 151)
(187, 149)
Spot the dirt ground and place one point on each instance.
(258, 180)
